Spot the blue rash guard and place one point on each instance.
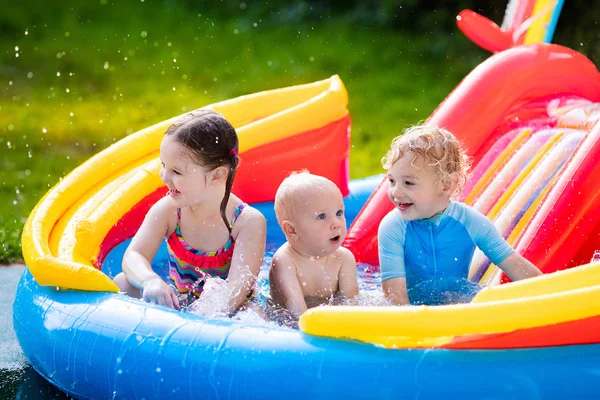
(434, 254)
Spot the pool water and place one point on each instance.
(369, 286)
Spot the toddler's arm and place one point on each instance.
(348, 279)
(495, 247)
(518, 267)
(283, 276)
(390, 236)
(395, 291)
(142, 249)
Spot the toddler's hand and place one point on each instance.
(159, 292)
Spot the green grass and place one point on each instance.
(90, 74)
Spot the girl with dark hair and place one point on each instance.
(212, 236)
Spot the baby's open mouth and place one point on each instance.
(335, 238)
(173, 192)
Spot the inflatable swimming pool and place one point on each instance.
(525, 117)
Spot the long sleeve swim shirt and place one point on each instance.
(434, 254)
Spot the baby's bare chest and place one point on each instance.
(319, 280)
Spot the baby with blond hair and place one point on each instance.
(311, 268)
(427, 242)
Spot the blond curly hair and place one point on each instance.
(439, 149)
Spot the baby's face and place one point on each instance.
(319, 222)
(415, 189)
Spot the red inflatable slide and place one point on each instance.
(515, 95)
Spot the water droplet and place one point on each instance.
(144, 34)
(30, 75)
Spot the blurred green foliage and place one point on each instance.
(78, 76)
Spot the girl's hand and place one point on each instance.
(158, 291)
(213, 301)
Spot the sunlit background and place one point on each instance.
(76, 76)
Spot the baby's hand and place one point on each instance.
(159, 292)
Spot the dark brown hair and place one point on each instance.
(212, 142)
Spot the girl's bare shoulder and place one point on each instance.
(164, 212)
(251, 218)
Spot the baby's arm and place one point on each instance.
(348, 279)
(518, 267)
(142, 249)
(247, 257)
(284, 278)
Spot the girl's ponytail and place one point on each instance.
(235, 160)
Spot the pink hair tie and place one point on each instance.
(232, 153)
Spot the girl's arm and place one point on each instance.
(247, 257)
(394, 290)
(348, 279)
(517, 267)
(142, 249)
(283, 276)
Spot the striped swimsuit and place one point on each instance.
(188, 267)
